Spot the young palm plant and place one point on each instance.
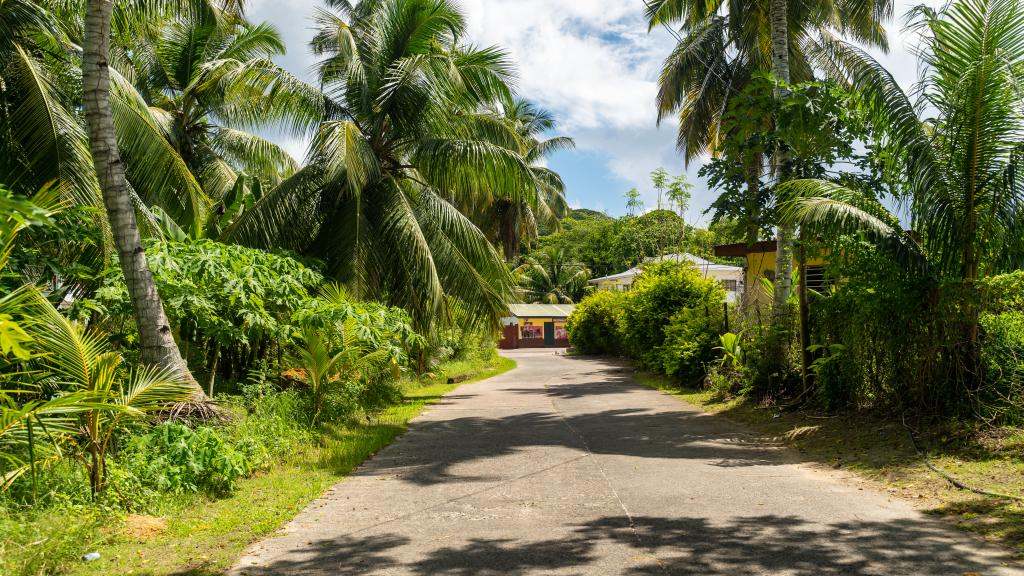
(78, 360)
(59, 380)
(325, 363)
(406, 138)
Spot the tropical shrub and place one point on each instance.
(659, 298)
(691, 337)
(177, 459)
(229, 305)
(595, 326)
(1002, 359)
(670, 321)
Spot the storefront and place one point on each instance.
(536, 326)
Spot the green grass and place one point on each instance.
(198, 536)
(879, 449)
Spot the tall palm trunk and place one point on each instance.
(780, 67)
(155, 338)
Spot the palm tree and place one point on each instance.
(199, 85)
(508, 222)
(190, 77)
(548, 278)
(725, 44)
(406, 138)
(953, 156)
(42, 139)
(156, 340)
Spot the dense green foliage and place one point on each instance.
(607, 246)
(669, 321)
(594, 327)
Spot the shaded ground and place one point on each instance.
(879, 448)
(565, 466)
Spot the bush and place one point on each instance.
(175, 458)
(669, 321)
(1002, 359)
(669, 294)
(272, 426)
(594, 327)
(691, 337)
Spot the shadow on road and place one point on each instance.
(752, 545)
(433, 449)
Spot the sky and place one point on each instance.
(595, 66)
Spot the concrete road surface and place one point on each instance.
(564, 466)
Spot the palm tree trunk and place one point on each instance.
(508, 220)
(784, 238)
(780, 39)
(156, 340)
(752, 226)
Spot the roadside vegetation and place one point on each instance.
(198, 332)
(193, 522)
(911, 201)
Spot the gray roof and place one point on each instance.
(620, 276)
(541, 310)
(701, 264)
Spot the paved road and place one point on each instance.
(564, 466)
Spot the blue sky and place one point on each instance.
(591, 62)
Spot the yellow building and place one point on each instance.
(760, 263)
(536, 326)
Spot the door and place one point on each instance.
(549, 333)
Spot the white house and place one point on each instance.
(731, 277)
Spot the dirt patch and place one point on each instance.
(142, 528)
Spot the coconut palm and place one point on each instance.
(42, 138)
(202, 83)
(509, 223)
(725, 44)
(406, 138)
(547, 277)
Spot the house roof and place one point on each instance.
(632, 272)
(703, 265)
(742, 249)
(541, 310)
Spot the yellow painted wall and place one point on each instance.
(537, 321)
(757, 264)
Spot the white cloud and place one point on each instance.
(591, 62)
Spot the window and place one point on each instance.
(816, 279)
(532, 332)
(731, 285)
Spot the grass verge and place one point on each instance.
(197, 536)
(880, 450)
